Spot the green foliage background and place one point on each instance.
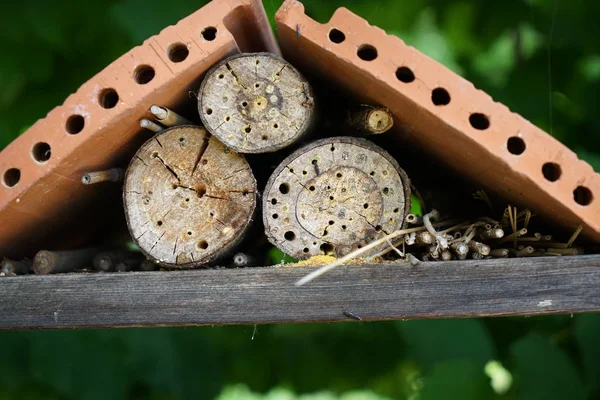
(539, 57)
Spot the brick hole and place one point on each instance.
(405, 74)
(144, 74)
(75, 124)
(583, 196)
(41, 152)
(440, 97)
(515, 145)
(178, 52)
(289, 235)
(209, 33)
(284, 188)
(479, 121)
(336, 36)
(108, 98)
(551, 171)
(11, 177)
(202, 245)
(367, 52)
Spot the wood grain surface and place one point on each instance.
(267, 295)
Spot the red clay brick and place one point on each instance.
(49, 196)
(444, 130)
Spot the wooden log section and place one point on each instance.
(371, 120)
(188, 199)
(333, 196)
(256, 103)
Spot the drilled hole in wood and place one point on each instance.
(11, 177)
(479, 121)
(275, 125)
(331, 222)
(227, 118)
(201, 190)
(244, 104)
(366, 205)
(275, 216)
(289, 235)
(41, 152)
(372, 173)
(273, 201)
(187, 200)
(331, 198)
(154, 154)
(143, 74)
(178, 52)
(189, 233)
(344, 227)
(551, 171)
(378, 228)
(583, 196)
(108, 98)
(336, 36)
(327, 248)
(204, 162)
(159, 223)
(386, 190)
(515, 145)
(405, 74)
(304, 172)
(209, 111)
(305, 250)
(332, 148)
(396, 210)
(202, 245)
(284, 188)
(440, 97)
(339, 175)
(75, 124)
(209, 33)
(367, 52)
(257, 85)
(221, 76)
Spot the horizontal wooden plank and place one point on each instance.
(526, 286)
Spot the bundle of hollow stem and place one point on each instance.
(430, 238)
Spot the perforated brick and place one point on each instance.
(445, 115)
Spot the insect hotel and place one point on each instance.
(214, 175)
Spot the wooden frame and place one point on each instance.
(525, 286)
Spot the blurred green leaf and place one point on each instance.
(544, 371)
(587, 335)
(457, 379)
(432, 341)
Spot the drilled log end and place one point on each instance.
(334, 196)
(188, 199)
(256, 103)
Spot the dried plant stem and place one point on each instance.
(440, 239)
(574, 235)
(351, 256)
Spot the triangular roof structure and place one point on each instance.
(42, 200)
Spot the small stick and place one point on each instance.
(413, 219)
(513, 235)
(461, 250)
(168, 117)
(499, 252)
(496, 233)
(574, 235)
(350, 256)
(110, 175)
(446, 255)
(13, 267)
(424, 238)
(525, 251)
(573, 251)
(371, 120)
(440, 239)
(54, 262)
(109, 260)
(479, 248)
(151, 125)
(243, 260)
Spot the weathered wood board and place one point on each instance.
(267, 295)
